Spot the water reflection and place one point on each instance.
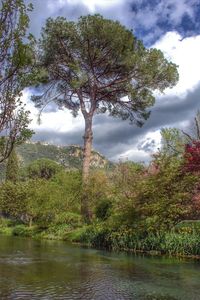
(55, 270)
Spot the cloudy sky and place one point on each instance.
(170, 25)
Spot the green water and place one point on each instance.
(31, 269)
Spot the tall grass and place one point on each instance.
(165, 243)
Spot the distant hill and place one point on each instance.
(69, 156)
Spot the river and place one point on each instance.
(32, 269)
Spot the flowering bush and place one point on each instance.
(192, 157)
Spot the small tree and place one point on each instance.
(12, 167)
(173, 142)
(96, 66)
(43, 168)
(15, 59)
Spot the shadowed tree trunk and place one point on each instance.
(30, 222)
(88, 137)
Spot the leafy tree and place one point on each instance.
(98, 189)
(96, 66)
(13, 199)
(12, 167)
(152, 201)
(43, 168)
(15, 60)
(127, 180)
(173, 142)
(43, 201)
(70, 183)
(103, 209)
(166, 196)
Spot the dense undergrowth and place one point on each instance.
(184, 239)
(152, 209)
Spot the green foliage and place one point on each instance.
(5, 226)
(22, 230)
(72, 219)
(184, 243)
(130, 239)
(103, 209)
(100, 236)
(43, 168)
(12, 167)
(16, 56)
(96, 235)
(97, 188)
(173, 141)
(13, 198)
(45, 202)
(56, 232)
(162, 199)
(70, 185)
(188, 226)
(69, 157)
(104, 49)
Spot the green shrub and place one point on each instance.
(188, 226)
(56, 232)
(4, 222)
(43, 168)
(103, 209)
(22, 230)
(125, 239)
(72, 219)
(97, 236)
(5, 226)
(76, 235)
(13, 198)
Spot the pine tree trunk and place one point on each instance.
(30, 222)
(88, 136)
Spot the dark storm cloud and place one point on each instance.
(168, 112)
(113, 137)
(148, 145)
(57, 138)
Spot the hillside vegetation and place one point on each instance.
(71, 157)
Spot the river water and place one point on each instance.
(31, 269)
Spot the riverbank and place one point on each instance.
(185, 243)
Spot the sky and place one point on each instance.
(172, 26)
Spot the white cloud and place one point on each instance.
(133, 154)
(138, 151)
(60, 121)
(184, 53)
(93, 5)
